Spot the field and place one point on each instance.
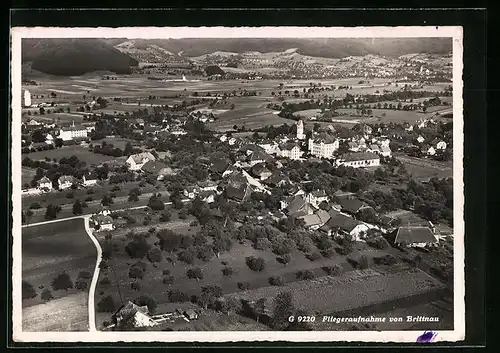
(27, 175)
(48, 250)
(424, 169)
(353, 290)
(81, 152)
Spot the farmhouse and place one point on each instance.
(261, 172)
(270, 147)
(341, 225)
(238, 187)
(154, 167)
(411, 236)
(316, 220)
(316, 197)
(72, 132)
(102, 222)
(323, 145)
(277, 179)
(351, 205)
(207, 185)
(132, 316)
(137, 161)
(385, 151)
(89, 179)
(298, 206)
(65, 182)
(290, 150)
(191, 192)
(44, 184)
(359, 159)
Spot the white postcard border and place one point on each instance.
(454, 32)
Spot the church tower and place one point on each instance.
(300, 130)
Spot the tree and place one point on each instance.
(176, 296)
(332, 270)
(221, 243)
(154, 255)
(227, 271)
(285, 259)
(155, 203)
(186, 256)
(138, 247)
(51, 212)
(255, 263)
(209, 295)
(283, 309)
(304, 275)
(136, 272)
(77, 208)
(243, 285)
(229, 305)
(28, 291)
(165, 216)
(46, 295)
(169, 241)
(85, 275)
(81, 284)
(62, 282)
(195, 272)
(259, 308)
(368, 215)
(146, 300)
(128, 150)
(276, 281)
(106, 304)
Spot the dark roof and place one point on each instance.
(44, 180)
(260, 168)
(251, 147)
(276, 178)
(296, 204)
(127, 311)
(359, 156)
(219, 165)
(340, 221)
(288, 146)
(350, 204)
(261, 155)
(153, 166)
(324, 137)
(237, 193)
(411, 235)
(90, 176)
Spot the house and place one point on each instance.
(72, 132)
(373, 149)
(130, 316)
(412, 236)
(65, 182)
(259, 156)
(151, 128)
(341, 226)
(166, 171)
(277, 179)
(238, 187)
(353, 146)
(219, 165)
(207, 185)
(190, 314)
(44, 184)
(316, 197)
(420, 139)
(362, 129)
(385, 151)
(441, 145)
(290, 150)
(102, 222)
(89, 179)
(154, 167)
(231, 141)
(385, 142)
(260, 171)
(323, 145)
(191, 192)
(49, 139)
(207, 196)
(359, 159)
(270, 147)
(351, 205)
(431, 151)
(297, 206)
(136, 161)
(316, 220)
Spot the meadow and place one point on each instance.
(48, 250)
(81, 152)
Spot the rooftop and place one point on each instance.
(359, 156)
(412, 235)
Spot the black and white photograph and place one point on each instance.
(237, 184)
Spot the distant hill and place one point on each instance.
(68, 57)
(316, 47)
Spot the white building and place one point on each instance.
(49, 139)
(385, 151)
(290, 150)
(323, 145)
(420, 139)
(72, 132)
(27, 99)
(316, 197)
(44, 184)
(89, 179)
(441, 145)
(359, 160)
(300, 130)
(136, 161)
(65, 182)
(270, 148)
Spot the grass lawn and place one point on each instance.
(81, 152)
(47, 251)
(27, 175)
